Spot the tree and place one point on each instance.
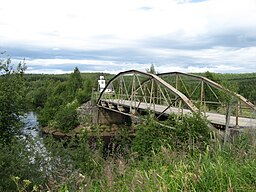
(84, 95)
(75, 83)
(12, 102)
(66, 117)
(152, 69)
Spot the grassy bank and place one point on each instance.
(157, 159)
(216, 169)
(171, 160)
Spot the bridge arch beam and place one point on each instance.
(138, 90)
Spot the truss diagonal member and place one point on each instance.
(199, 83)
(214, 94)
(183, 84)
(188, 102)
(169, 103)
(168, 107)
(170, 99)
(125, 87)
(142, 91)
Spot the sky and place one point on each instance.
(55, 36)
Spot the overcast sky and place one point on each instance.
(54, 36)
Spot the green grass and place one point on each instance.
(219, 167)
(161, 159)
(223, 169)
(187, 161)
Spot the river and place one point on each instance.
(31, 129)
(31, 125)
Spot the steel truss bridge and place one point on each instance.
(135, 93)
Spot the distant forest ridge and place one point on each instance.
(245, 83)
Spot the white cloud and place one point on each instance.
(49, 62)
(103, 25)
(219, 59)
(71, 23)
(47, 71)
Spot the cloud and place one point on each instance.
(114, 35)
(219, 59)
(145, 8)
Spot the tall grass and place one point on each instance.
(185, 167)
(230, 167)
(218, 168)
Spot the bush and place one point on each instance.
(193, 130)
(19, 159)
(186, 132)
(66, 117)
(74, 162)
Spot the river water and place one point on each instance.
(31, 129)
(31, 125)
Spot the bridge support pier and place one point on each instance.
(108, 117)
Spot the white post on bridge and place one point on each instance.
(101, 84)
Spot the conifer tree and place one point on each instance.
(75, 83)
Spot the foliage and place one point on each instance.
(66, 117)
(24, 185)
(20, 158)
(151, 69)
(71, 160)
(217, 167)
(74, 83)
(121, 143)
(173, 164)
(186, 132)
(171, 170)
(11, 97)
(84, 95)
(51, 96)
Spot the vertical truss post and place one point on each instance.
(154, 94)
(120, 90)
(202, 99)
(158, 96)
(177, 87)
(240, 108)
(237, 112)
(151, 92)
(180, 107)
(145, 93)
(227, 122)
(132, 94)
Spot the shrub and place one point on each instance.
(66, 117)
(19, 159)
(186, 132)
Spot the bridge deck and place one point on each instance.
(214, 118)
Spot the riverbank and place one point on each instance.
(99, 130)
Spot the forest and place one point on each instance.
(156, 159)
